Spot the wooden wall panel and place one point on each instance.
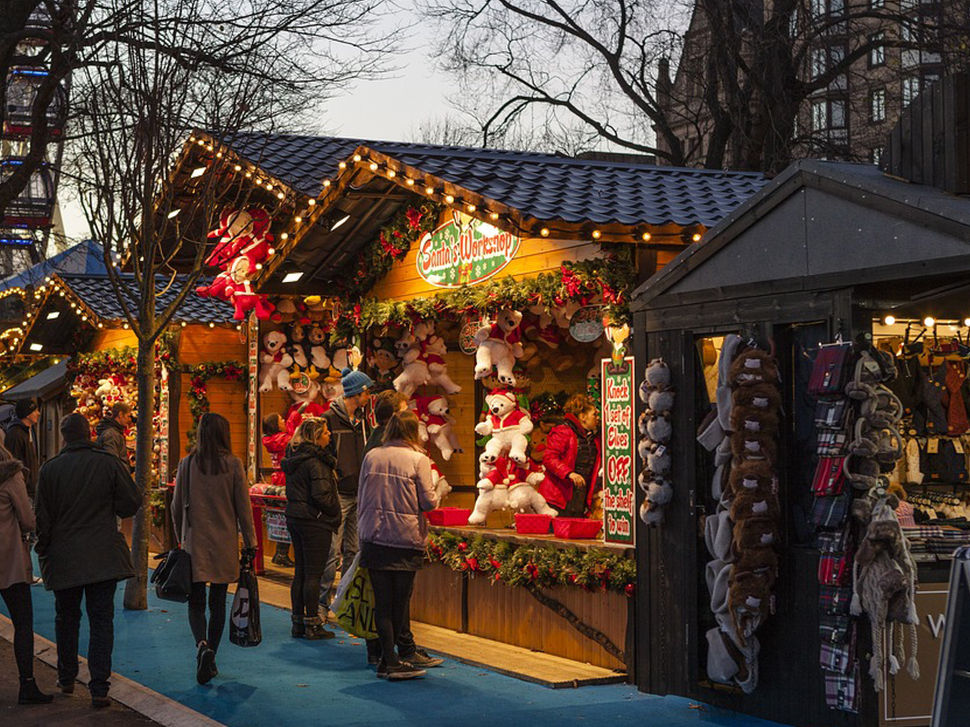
(200, 344)
(437, 597)
(225, 397)
(113, 338)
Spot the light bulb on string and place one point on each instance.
(929, 321)
(889, 320)
(966, 322)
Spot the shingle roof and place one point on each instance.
(95, 290)
(539, 186)
(85, 258)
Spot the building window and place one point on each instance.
(877, 105)
(877, 4)
(875, 155)
(837, 114)
(819, 56)
(877, 54)
(820, 116)
(910, 90)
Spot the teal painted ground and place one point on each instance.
(287, 682)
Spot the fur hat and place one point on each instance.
(764, 397)
(659, 493)
(754, 445)
(658, 460)
(651, 516)
(755, 420)
(661, 401)
(752, 474)
(753, 366)
(754, 532)
(750, 503)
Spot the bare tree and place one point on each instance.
(173, 66)
(569, 140)
(744, 67)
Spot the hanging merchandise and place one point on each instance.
(414, 371)
(274, 362)
(499, 347)
(436, 424)
(382, 361)
(432, 352)
(743, 533)
(655, 431)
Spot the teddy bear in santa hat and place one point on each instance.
(436, 424)
(432, 352)
(499, 346)
(507, 424)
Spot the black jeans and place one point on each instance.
(99, 602)
(17, 598)
(392, 596)
(406, 647)
(217, 613)
(311, 548)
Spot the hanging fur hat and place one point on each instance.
(764, 397)
(661, 402)
(752, 419)
(659, 429)
(752, 475)
(754, 532)
(754, 445)
(753, 366)
(750, 503)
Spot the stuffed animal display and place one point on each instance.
(507, 424)
(655, 430)
(432, 352)
(499, 346)
(743, 534)
(504, 484)
(243, 245)
(274, 362)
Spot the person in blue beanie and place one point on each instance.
(345, 419)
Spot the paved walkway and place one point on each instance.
(293, 682)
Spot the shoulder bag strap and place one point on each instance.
(185, 506)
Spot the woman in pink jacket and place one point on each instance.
(396, 488)
(16, 520)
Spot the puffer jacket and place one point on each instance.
(396, 487)
(559, 459)
(311, 484)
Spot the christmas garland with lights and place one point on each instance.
(199, 393)
(539, 565)
(607, 281)
(392, 243)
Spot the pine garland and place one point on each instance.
(606, 281)
(534, 565)
(199, 399)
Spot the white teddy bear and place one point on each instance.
(507, 424)
(414, 371)
(441, 486)
(499, 346)
(510, 485)
(275, 362)
(436, 424)
(433, 350)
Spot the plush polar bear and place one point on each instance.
(441, 486)
(499, 346)
(414, 371)
(436, 424)
(432, 352)
(508, 484)
(507, 424)
(275, 362)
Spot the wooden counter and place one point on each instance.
(474, 604)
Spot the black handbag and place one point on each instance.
(173, 576)
(244, 626)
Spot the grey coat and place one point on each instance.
(80, 494)
(209, 512)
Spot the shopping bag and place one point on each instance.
(354, 607)
(244, 628)
(173, 576)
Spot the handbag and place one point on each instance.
(355, 610)
(173, 576)
(831, 370)
(244, 626)
(829, 478)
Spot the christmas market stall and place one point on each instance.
(491, 288)
(199, 365)
(817, 342)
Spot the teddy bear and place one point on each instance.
(316, 338)
(432, 352)
(519, 484)
(286, 307)
(297, 346)
(304, 393)
(508, 426)
(275, 362)
(436, 424)
(441, 486)
(414, 371)
(539, 328)
(315, 308)
(499, 346)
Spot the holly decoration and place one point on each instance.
(199, 392)
(534, 565)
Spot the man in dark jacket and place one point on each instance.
(80, 494)
(345, 419)
(20, 441)
(111, 431)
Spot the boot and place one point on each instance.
(297, 630)
(30, 694)
(314, 629)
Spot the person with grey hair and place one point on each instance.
(80, 493)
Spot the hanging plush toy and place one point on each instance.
(315, 346)
(414, 371)
(509, 485)
(508, 426)
(436, 424)
(382, 362)
(433, 352)
(655, 430)
(275, 362)
(305, 393)
(499, 346)
(441, 486)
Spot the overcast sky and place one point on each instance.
(387, 110)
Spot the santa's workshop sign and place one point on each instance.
(464, 251)
(619, 498)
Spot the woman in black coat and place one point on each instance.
(312, 516)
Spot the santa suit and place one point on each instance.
(498, 333)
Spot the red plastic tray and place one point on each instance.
(529, 523)
(575, 528)
(448, 516)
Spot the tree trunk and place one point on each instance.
(136, 589)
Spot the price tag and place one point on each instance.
(932, 445)
(958, 445)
